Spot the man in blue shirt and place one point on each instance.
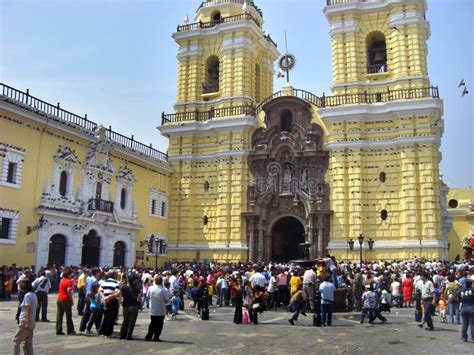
(90, 281)
(327, 290)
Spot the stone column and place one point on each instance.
(320, 237)
(74, 248)
(106, 250)
(261, 244)
(42, 248)
(268, 247)
(252, 253)
(310, 238)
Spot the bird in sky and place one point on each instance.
(462, 83)
(465, 91)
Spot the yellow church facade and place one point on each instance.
(370, 151)
(250, 174)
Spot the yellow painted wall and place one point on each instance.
(462, 218)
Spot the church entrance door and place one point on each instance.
(90, 249)
(287, 234)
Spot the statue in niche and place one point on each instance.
(287, 179)
(304, 179)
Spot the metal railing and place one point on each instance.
(97, 204)
(377, 68)
(210, 88)
(336, 2)
(354, 99)
(24, 98)
(210, 24)
(60, 115)
(247, 110)
(320, 102)
(139, 147)
(218, 2)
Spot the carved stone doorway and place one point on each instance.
(90, 249)
(57, 250)
(287, 234)
(288, 164)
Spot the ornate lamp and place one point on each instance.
(371, 243)
(351, 244)
(361, 239)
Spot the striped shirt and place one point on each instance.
(109, 287)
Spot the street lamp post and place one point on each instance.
(156, 246)
(361, 242)
(360, 238)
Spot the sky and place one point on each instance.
(116, 61)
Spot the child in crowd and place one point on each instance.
(175, 302)
(443, 305)
(168, 305)
(95, 308)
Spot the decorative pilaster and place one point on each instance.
(320, 237)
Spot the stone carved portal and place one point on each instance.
(287, 189)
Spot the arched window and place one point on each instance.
(98, 190)
(123, 199)
(63, 183)
(382, 176)
(211, 83)
(286, 121)
(257, 83)
(216, 17)
(376, 53)
(383, 215)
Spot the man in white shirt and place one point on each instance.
(327, 301)
(146, 276)
(258, 279)
(41, 287)
(159, 297)
(309, 283)
(428, 298)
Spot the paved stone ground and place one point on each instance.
(188, 334)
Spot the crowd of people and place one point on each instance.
(370, 288)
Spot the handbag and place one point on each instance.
(245, 317)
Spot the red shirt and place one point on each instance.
(63, 295)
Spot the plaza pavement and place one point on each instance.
(188, 334)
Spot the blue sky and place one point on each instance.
(116, 61)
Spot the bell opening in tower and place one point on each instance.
(376, 53)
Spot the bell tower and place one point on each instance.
(385, 126)
(225, 58)
(225, 68)
(378, 45)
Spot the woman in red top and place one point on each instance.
(407, 290)
(65, 303)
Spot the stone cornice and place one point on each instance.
(388, 110)
(360, 6)
(205, 128)
(230, 27)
